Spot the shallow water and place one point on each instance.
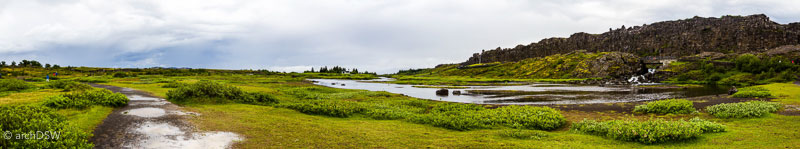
(531, 93)
(146, 112)
(164, 135)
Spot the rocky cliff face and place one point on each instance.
(728, 34)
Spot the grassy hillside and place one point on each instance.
(558, 66)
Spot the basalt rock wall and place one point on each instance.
(727, 34)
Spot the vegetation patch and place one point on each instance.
(213, 92)
(85, 99)
(470, 116)
(752, 92)
(14, 85)
(669, 106)
(648, 132)
(68, 85)
(328, 108)
(750, 109)
(522, 134)
(23, 122)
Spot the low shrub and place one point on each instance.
(752, 92)
(68, 85)
(748, 109)
(122, 75)
(174, 85)
(20, 120)
(329, 108)
(522, 134)
(708, 126)
(85, 99)
(206, 90)
(14, 85)
(529, 117)
(453, 120)
(470, 116)
(669, 106)
(92, 79)
(648, 132)
(35, 79)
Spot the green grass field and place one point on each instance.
(281, 127)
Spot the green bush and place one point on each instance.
(748, 109)
(92, 79)
(122, 75)
(35, 79)
(469, 116)
(68, 85)
(453, 120)
(329, 108)
(522, 134)
(752, 92)
(216, 92)
(14, 85)
(669, 106)
(708, 126)
(530, 117)
(32, 119)
(173, 85)
(648, 132)
(85, 99)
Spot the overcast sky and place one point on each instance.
(294, 35)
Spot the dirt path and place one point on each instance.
(151, 122)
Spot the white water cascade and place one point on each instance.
(640, 79)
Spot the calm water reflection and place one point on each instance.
(529, 94)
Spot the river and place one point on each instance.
(537, 93)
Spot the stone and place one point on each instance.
(442, 92)
(456, 92)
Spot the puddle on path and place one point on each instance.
(146, 112)
(164, 135)
(142, 98)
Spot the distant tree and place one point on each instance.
(312, 69)
(56, 66)
(46, 65)
(13, 64)
(3, 63)
(355, 71)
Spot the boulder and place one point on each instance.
(733, 90)
(456, 92)
(442, 92)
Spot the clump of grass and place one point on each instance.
(329, 108)
(92, 79)
(68, 85)
(750, 109)
(752, 92)
(85, 99)
(522, 134)
(648, 132)
(470, 116)
(173, 85)
(708, 126)
(30, 119)
(14, 85)
(213, 92)
(669, 106)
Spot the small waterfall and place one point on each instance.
(640, 79)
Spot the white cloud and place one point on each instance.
(296, 34)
